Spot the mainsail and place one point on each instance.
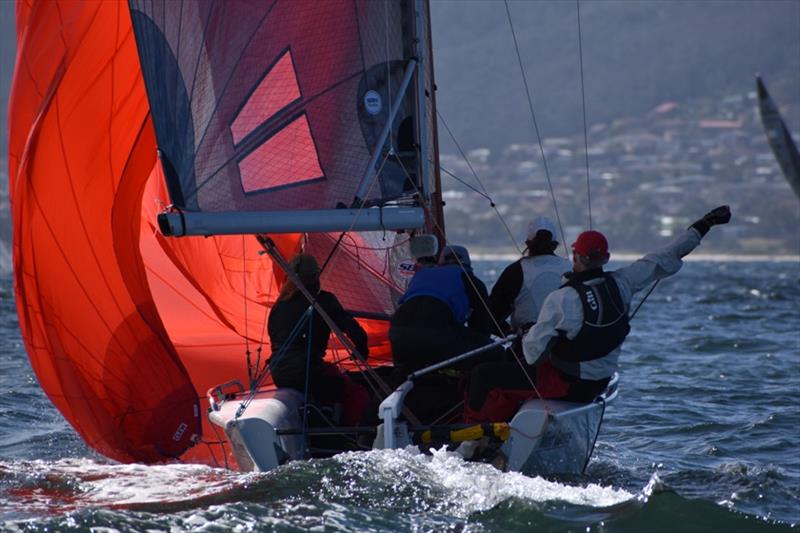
(780, 139)
(296, 116)
(274, 116)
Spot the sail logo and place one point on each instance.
(180, 431)
(591, 300)
(407, 268)
(373, 102)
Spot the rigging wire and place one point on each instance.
(308, 383)
(388, 66)
(475, 175)
(536, 126)
(583, 107)
(465, 184)
(250, 374)
(643, 300)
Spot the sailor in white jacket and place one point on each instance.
(582, 325)
(573, 349)
(523, 285)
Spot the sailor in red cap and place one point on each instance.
(573, 349)
(575, 343)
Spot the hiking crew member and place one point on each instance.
(573, 349)
(524, 284)
(293, 352)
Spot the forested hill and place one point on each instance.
(636, 55)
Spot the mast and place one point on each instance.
(435, 195)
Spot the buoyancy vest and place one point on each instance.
(605, 324)
(445, 283)
(541, 275)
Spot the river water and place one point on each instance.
(703, 437)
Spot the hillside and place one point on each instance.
(635, 55)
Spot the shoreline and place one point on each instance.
(632, 256)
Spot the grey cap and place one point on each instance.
(458, 251)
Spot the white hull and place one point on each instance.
(546, 437)
(254, 434)
(551, 437)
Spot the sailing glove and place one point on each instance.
(719, 215)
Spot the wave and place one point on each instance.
(392, 490)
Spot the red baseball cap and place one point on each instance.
(591, 244)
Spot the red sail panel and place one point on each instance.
(226, 78)
(275, 91)
(287, 158)
(80, 151)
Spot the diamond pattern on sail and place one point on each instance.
(277, 89)
(288, 158)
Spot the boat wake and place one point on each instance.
(440, 483)
(380, 490)
(44, 487)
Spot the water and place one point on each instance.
(703, 437)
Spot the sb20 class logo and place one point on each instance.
(406, 267)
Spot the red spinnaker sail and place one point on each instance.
(126, 329)
(80, 150)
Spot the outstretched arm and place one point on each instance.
(668, 260)
(719, 215)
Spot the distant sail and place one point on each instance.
(780, 140)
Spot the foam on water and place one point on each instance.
(69, 484)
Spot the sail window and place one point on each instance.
(287, 158)
(277, 89)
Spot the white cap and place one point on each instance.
(541, 223)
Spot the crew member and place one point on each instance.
(524, 284)
(480, 319)
(433, 320)
(573, 349)
(293, 352)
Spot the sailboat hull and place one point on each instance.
(253, 433)
(551, 437)
(545, 437)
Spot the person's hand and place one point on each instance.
(719, 215)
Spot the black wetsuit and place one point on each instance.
(424, 329)
(289, 368)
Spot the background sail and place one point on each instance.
(780, 139)
(276, 105)
(80, 151)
